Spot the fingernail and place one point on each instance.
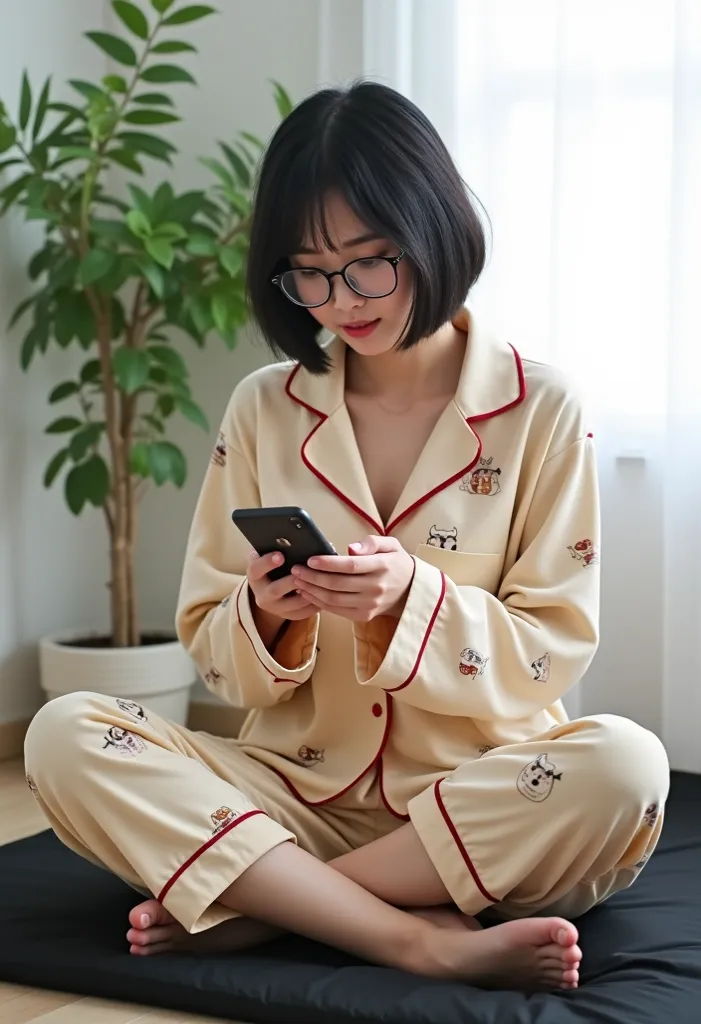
(355, 547)
(296, 570)
(278, 559)
(145, 920)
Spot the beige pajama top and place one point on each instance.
(501, 515)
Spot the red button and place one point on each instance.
(377, 710)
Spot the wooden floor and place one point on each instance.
(20, 817)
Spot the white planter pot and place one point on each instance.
(158, 675)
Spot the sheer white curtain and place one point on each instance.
(578, 125)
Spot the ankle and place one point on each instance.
(424, 950)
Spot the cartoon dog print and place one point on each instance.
(472, 663)
(124, 742)
(484, 480)
(220, 451)
(130, 707)
(222, 817)
(541, 668)
(537, 779)
(310, 756)
(32, 785)
(447, 539)
(213, 676)
(585, 551)
(650, 816)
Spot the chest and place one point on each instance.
(390, 445)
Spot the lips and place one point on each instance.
(360, 328)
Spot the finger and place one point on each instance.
(277, 590)
(260, 565)
(351, 565)
(291, 606)
(374, 545)
(329, 598)
(328, 580)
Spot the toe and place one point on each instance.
(149, 913)
(570, 977)
(563, 932)
(150, 936)
(157, 947)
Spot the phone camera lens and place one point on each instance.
(296, 523)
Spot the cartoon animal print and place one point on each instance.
(220, 451)
(310, 756)
(447, 539)
(225, 602)
(124, 742)
(222, 817)
(485, 750)
(472, 663)
(650, 816)
(541, 668)
(130, 707)
(537, 779)
(213, 676)
(484, 480)
(585, 551)
(32, 784)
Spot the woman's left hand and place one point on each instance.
(373, 579)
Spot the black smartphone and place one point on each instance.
(290, 530)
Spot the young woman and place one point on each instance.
(407, 762)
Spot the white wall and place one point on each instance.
(53, 568)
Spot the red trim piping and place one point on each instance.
(382, 530)
(276, 679)
(198, 853)
(427, 634)
(385, 801)
(327, 800)
(459, 843)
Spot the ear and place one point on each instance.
(432, 531)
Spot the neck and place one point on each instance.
(428, 370)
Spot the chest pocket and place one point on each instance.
(465, 568)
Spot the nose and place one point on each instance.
(343, 297)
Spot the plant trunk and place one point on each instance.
(125, 631)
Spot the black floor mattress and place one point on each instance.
(62, 925)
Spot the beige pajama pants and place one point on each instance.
(553, 825)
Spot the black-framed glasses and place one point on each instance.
(373, 277)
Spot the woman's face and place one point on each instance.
(386, 316)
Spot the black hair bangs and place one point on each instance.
(375, 149)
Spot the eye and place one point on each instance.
(307, 272)
(369, 263)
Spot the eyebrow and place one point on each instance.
(369, 236)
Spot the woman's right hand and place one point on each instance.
(274, 601)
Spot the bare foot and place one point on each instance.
(447, 917)
(533, 954)
(155, 930)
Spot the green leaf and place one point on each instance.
(125, 159)
(85, 327)
(201, 245)
(187, 14)
(166, 405)
(192, 412)
(153, 274)
(161, 5)
(169, 231)
(173, 46)
(98, 263)
(184, 207)
(36, 339)
(231, 260)
(87, 482)
(21, 310)
(115, 83)
(163, 73)
(161, 251)
(64, 318)
(131, 366)
(220, 312)
(253, 139)
(75, 153)
(86, 89)
(219, 169)
(83, 440)
(283, 102)
(162, 198)
(200, 312)
(154, 422)
(138, 223)
(11, 192)
(169, 358)
(167, 463)
(65, 390)
(142, 201)
(8, 137)
(132, 17)
(239, 167)
(63, 425)
(41, 261)
(116, 48)
(25, 103)
(55, 467)
(42, 107)
(154, 98)
(141, 142)
(139, 461)
(150, 117)
(91, 372)
(114, 230)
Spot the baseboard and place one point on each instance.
(12, 738)
(217, 719)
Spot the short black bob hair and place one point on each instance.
(375, 148)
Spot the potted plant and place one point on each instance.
(114, 278)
